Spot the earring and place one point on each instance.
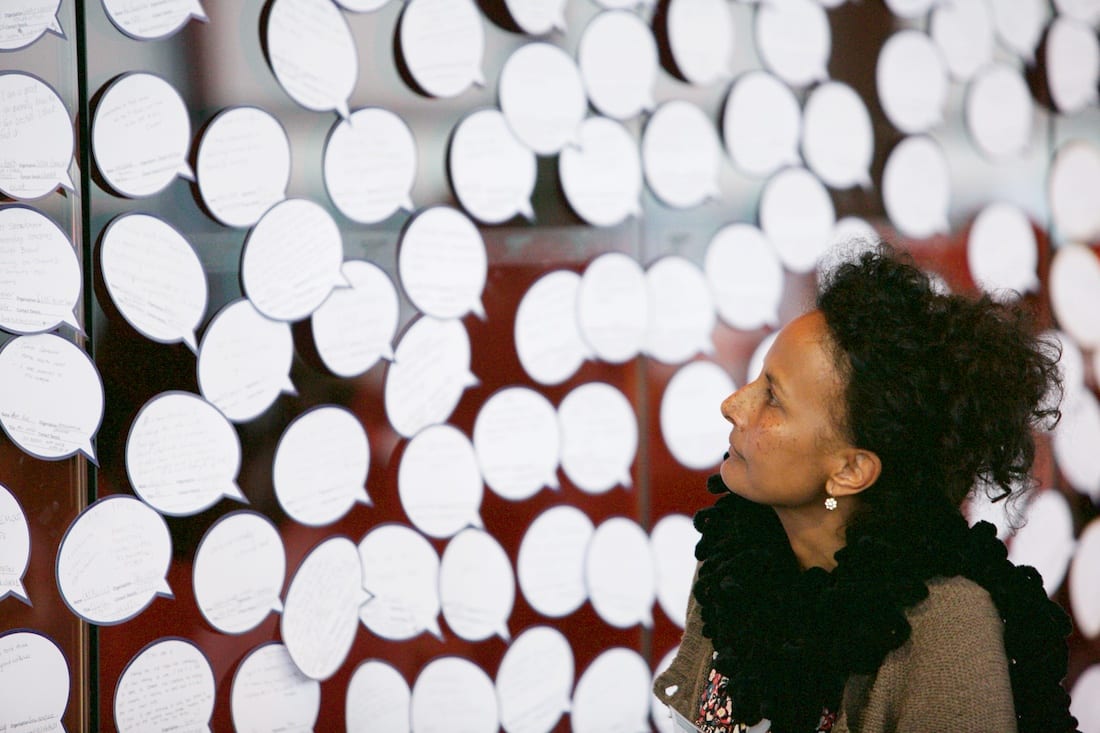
(830, 503)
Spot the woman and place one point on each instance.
(839, 586)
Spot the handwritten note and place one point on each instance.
(40, 279)
(168, 685)
(36, 138)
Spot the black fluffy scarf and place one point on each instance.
(775, 629)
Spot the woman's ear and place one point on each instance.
(859, 470)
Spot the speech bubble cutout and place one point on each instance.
(370, 165)
(701, 39)
(442, 263)
(599, 437)
(25, 21)
(999, 111)
(113, 560)
(141, 133)
(619, 573)
(618, 59)
(680, 155)
(756, 363)
(693, 428)
(1084, 593)
(963, 30)
(613, 307)
(34, 681)
(355, 326)
(838, 140)
(550, 564)
(517, 443)
(150, 20)
(1084, 11)
(851, 236)
(1074, 173)
(53, 402)
(548, 339)
(450, 689)
(916, 187)
(542, 97)
(361, 6)
(491, 172)
(1046, 542)
(312, 53)
(794, 40)
(1072, 64)
(269, 693)
(439, 483)
(745, 277)
(602, 175)
(1020, 24)
(537, 17)
(477, 588)
(321, 612)
(672, 543)
(612, 694)
(1083, 699)
(1001, 250)
(659, 712)
(321, 466)
(910, 8)
(244, 361)
(797, 216)
(15, 546)
(1075, 441)
(1071, 364)
(240, 566)
(243, 165)
(911, 81)
(761, 124)
(36, 138)
(40, 278)
(154, 278)
(401, 572)
(378, 698)
(442, 43)
(169, 684)
(682, 313)
(534, 681)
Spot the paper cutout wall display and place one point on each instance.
(911, 81)
(312, 53)
(659, 713)
(450, 689)
(1020, 24)
(613, 307)
(963, 30)
(244, 361)
(270, 694)
(535, 681)
(168, 685)
(442, 43)
(910, 8)
(491, 172)
(370, 165)
(1075, 441)
(378, 698)
(321, 612)
(550, 564)
(673, 543)
(1071, 364)
(1075, 293)
(693, 428)
(442, 263)
(361, 6)
(1084, 594)
(355, 326)
(681, 311)
(243, 165)
(797, 216)
(617, 57)
(622, 4)
(680, 155)
(756, 363)
(542, 97)
(34, 681)
(916, 187)
(700, 39)
(794, 40)
(292, 259)
(1001, 250)
(113, 560)
(1073, 174)
(149, 20)
(15, 546)
(838, 141)
(141, 133)
(439, 482)
(517, 443)
(41, 278)
(537, 17)
(53, 397)
(477, 588)
(25, 21)
(429, 373)
(599, 437)
(602, 176)
(36, 138)
(321, 466)
(761, 124)
(1083, 11)
(999, 111)
(620, 575)
(548, 339)
(612, 694)
(1046, 541)
(154, 277)
(1072, 64)
(1083, 699)
(401, 572)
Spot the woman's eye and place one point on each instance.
(771, 397)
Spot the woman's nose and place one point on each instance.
(730, 409)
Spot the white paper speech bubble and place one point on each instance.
(1085, 692)
(599, 437)
(691, 424)
(240, 566)
(680, 155)
(618, 59)
(243, 165)
(999, 111)
(910, 8)
(1074, 175)
(442, 43)
(517, 443)
(452, 689)
(613, 307)
(1084, 593)
(797, 216)
(149, 20)
(756, 363)
(140, 135)
(53, 400)
(154, 278)
(916, 187)
(542, 97)
(439, 482)
(701, 39)
(534, 681)
(1071, 364)
(321, 612)
(1084, 11)
(1072, 64)
(612, 694)
(355, 326)
(1001, 250)
(745, 277)
(794, 40)
(477, 588)
(673, 543)
(34, 681)
(113, 560)
(378, 698)
(851, 235)
(550, 564)
(1020, 24)
(270, 694)
(682, 313)
(40, 278)
(1046, 542)
(838, 140)
(442, 263)
(36, 138)
(361, 6)
(491, 172)
(1075, 439)
(15, 546)
(312, 53)
(169, 684)
(370, 165)
(537, 17)
(619, 573)
(548, 339)
(25, 21)
(602, 175)
(659, 712)
(244, 361)
(911, 80)
(401, 572)
(761, 124)
(963, 30)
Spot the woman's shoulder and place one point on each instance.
(960, 614)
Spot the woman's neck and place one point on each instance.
(815, 533)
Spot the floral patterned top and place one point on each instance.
(714, 710)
